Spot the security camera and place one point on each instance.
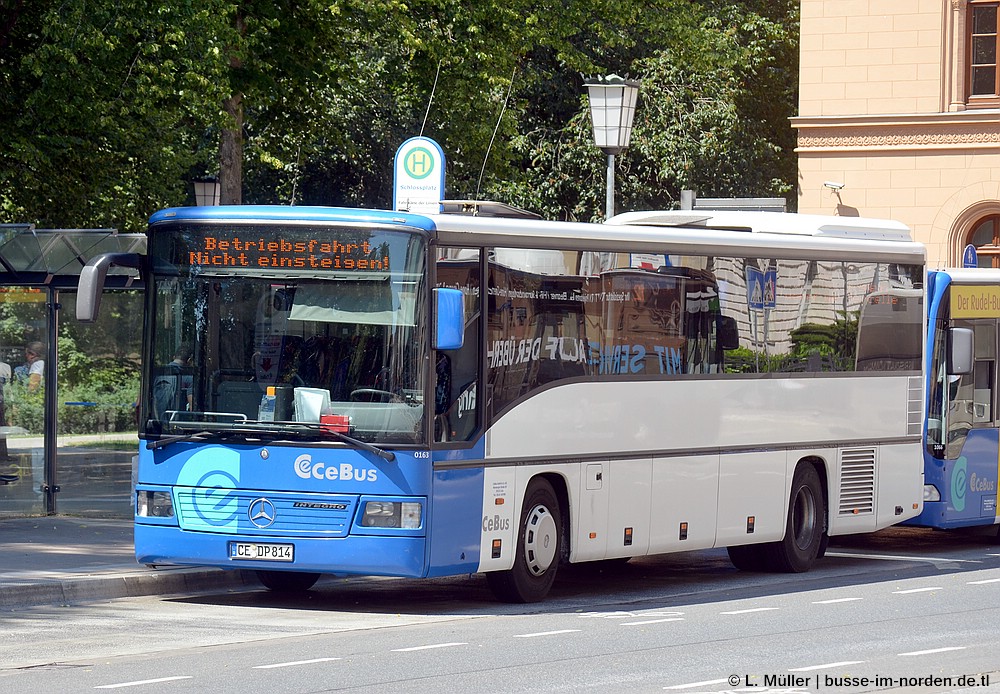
(833, 185)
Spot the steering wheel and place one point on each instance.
(373, 395)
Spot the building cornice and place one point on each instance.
(962, 130)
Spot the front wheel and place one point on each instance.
(287, 581)
(537, 550)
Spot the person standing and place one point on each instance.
(32, 372)
(5, 375)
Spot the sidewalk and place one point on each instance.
(60, 560)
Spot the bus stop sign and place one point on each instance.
(970, 257)
(418, 176)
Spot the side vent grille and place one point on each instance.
(857, 481)
(915, 406)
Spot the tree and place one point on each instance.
(718, 87)
(110, 107)
(102, 106)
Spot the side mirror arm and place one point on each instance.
(92, 278)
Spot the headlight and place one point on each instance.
(154, 504)
(391, 514)
(931, 493)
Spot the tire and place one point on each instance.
(749, 557)
(823, 544)
(287, 581)
(537, 551)
(805, 527)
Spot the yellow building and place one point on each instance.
(899, 117)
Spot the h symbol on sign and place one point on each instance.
(420, 163)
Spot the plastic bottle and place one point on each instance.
(266, 411)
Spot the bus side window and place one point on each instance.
(982, 398)
(984, 372)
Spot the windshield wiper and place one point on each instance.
(166, 440)
(262, 431)
(388, 456)
(194, 436)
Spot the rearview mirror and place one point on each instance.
(961, 351)
(449, 318)
(92, 277)
(727, 335)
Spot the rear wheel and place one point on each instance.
(537, 550)
(805, 528)
(287, 581)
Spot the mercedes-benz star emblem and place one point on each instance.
(261, 512)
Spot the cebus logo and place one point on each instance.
(307, 469)
(959, 480)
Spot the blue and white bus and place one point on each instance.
(962, 447)
(343, 391)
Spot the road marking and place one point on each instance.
(937, 561)
(293, 663)
(653, 621)
(835, 601)
(626, 615)
(697, 684)
(755, 609)
(544, 633)
(607, 615)
(988, 580)
(138, 683)
(916, 590)
(934, 650)
(842, 663)
(425, 648)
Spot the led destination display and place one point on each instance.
(239, 251)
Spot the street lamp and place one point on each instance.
(612, 107)
(207, 191)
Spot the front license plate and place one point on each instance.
(261, 551)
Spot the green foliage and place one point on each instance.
(815, 346)
(112, 410)
(838, 339)
(107, 409)
(109, 107)
(744, 360)
(717, 90)
(102, 107)
(98, 363)
(24, 409)
(22, 320)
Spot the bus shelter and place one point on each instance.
(67, 413)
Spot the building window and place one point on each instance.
(985, 236)
(983, 75)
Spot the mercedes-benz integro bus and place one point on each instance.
(382, 393)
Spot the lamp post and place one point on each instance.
(207, 191)
(612, 107)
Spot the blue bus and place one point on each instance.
(345, 391)
(962, 446)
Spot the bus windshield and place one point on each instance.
(329, 321)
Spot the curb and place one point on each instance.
(112, 586)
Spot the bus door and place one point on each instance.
(972, 441)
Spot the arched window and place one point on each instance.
(985, 236)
